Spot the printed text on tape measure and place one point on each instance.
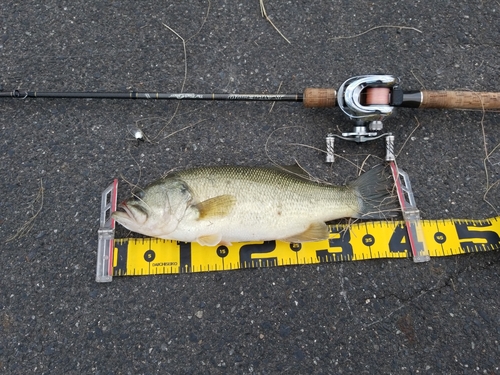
(362, 241)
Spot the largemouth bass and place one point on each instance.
(220, 205)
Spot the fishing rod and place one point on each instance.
(366, 99)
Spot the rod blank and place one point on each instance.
(152, 95)
(312, 97)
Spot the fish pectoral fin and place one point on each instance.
(316, 232)
(209, 240)
(219, 206)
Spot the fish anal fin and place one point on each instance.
(317, 231)
(209, 239)
(219, 206)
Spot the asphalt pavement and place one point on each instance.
(57, 155)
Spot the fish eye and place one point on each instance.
(138, 195)
(183, 188)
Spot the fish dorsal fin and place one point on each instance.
(219, 206)
(315, 232)
(294, 169)
(209, 240)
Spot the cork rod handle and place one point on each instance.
(460, 100)
(319, 98)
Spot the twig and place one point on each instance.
(131, 184)
(323, 151)
(266, 148)
(184, 128)
(485, 164)
(29, 224)
(360, 171)
(202, 22)
(407, 138)
(264, 14)
(492, 151)
(421, 84)
(136, 185)
(377, 27)
(185, 55)
(183, 82)
(139, 166)
(277, 92)
(185, 63)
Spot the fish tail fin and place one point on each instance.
(375, 191)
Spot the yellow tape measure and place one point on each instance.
(367, 240)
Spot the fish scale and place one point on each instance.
(212, 205)
(266, 186)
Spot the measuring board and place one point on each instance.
(353, 242)
(370, 240)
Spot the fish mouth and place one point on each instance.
(123, 212)
(126, 210)
(127, 213)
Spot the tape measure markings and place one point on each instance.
(361, 241)
(439, 237)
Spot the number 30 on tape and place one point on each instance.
(368, 240)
